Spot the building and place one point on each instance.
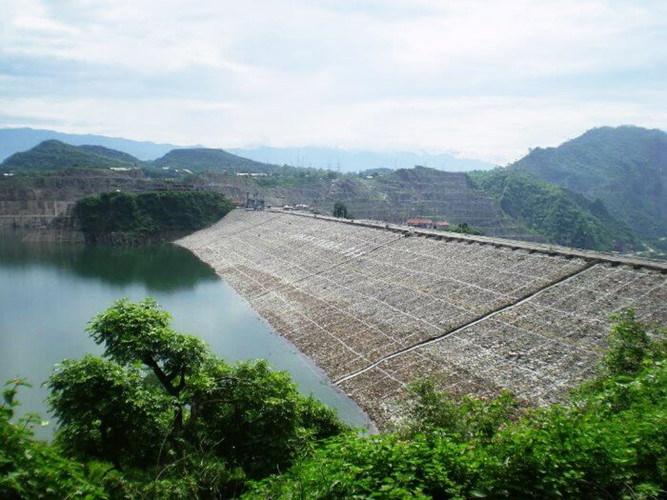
(422, 223)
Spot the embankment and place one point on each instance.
(377, 306)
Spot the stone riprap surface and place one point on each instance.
(376, 308)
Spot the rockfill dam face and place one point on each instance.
(376, 306)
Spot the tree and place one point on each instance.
(31, 469)
(340, 210)
(160, 398)
(629, 345)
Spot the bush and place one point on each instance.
(30, 469)
(609, 441)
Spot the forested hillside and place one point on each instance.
(124, 218)
(55, 155)
(562, 216)
(210, 160)
(625, 167)
(606, 190)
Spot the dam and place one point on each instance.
(377, 305)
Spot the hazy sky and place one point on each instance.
(485, 79)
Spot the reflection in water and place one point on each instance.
(119, 266)
(49, 292)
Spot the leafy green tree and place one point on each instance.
(30, 469)
(108, 412)
(629, 345)
(162, 401)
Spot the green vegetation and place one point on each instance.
(610, 441)
(624, 167)
(137, 218)
(340, 210)
(210, 160)
(462, 229)
(159, 416)
(55, 155)
(162, 417)
(562, 216)
(30, 469)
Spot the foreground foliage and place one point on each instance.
(159, 416)
(30, 469)
(610, 441)
(164, 417)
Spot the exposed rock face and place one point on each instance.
(61, 229)
(376, 308)
(34, 202)
(393, 197)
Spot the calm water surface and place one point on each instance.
(48, 293)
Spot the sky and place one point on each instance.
(480, 79)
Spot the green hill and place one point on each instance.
(112, 154)
(127, 218)
(55, 155)
(562, 216)
(210, 160)
(625, 167)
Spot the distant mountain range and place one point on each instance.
(14, 140)
(21, 139)
(354, 161)
(53, 155)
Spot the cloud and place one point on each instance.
(489, 79)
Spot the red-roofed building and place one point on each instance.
(422, 223)
(443, 224)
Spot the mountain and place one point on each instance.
(55, 155)
(14, 140)
(625, 167)
(354, 161)
(210, 160)
(562, 216)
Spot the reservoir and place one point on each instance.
(49, 292)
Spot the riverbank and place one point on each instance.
(55, 288)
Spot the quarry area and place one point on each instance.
(376, 306)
